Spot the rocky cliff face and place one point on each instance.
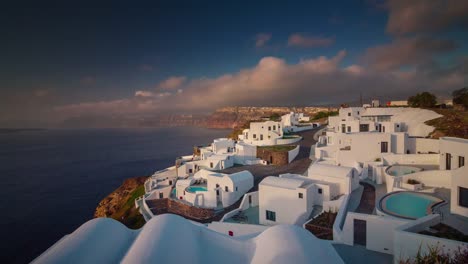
(232, 117)
(116, 200)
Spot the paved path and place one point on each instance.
(298, 166)
(359, 254)
(367, 204)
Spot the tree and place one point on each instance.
(424, 99)
(460, 96)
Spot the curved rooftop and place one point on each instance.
(172, 239)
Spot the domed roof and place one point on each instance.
(172, 239)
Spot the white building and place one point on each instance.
(389, 120)
(453, 152)
(212, 190)
(290, 198)
(296, 122)
(262, 133)
(345, 178)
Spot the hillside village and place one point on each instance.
(371, 180)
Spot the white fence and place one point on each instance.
(292, 154)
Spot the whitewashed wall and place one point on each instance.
(407, 242)
(292, 154)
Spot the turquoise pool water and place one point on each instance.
(400, 170)
(408, 204)
(196, 189)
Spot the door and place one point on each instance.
(448, 161)
(360, 232)
(271, 159)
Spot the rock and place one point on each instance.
(115, 200)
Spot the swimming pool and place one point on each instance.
(400, 170)
(196, 189)
(408, 205)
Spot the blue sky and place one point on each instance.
(84, 55)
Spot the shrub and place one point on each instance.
(435, 255)
(412, 181)
(424, 99)
(460, 96)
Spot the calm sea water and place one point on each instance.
(52, 180)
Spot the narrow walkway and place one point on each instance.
(367, 204)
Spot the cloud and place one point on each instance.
(146, 68)
(261, 39)
(417, 16)
(408, 51)
(144, 94)
(299, 40)
(172, 83)
(41, 92)
(88, 80)
(273, 81)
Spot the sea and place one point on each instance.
(52, 180)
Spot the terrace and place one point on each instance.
(248, 216)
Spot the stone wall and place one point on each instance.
(273, 157)
(163, 206)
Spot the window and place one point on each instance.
(170, 182)
(301, 195)
(383, 147)
(271, 215)
(269, 128)
(461, 161)
(274, 127)
(261, 136)
(319, 190)
(226, 189)
(383, 129)
(161, 195)
(448, 161)
(254, 135)
(343, 128)
(190, 171)
(236, 188)
(349, 114)
(363, 127)
(349, 129)
(250, 199)
(211, 164)
(463, 197)
(358, 112)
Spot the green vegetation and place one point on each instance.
(436, 255)
(323, 114)
(424, 99)
(461, 97)
(128, 214)
(453, 123)
(413, 182)
(277, 148)
(275, 117)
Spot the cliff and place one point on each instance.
(120, 204)
(234, 117)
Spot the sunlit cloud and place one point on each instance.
(172, 83)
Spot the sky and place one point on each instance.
(112, 62)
